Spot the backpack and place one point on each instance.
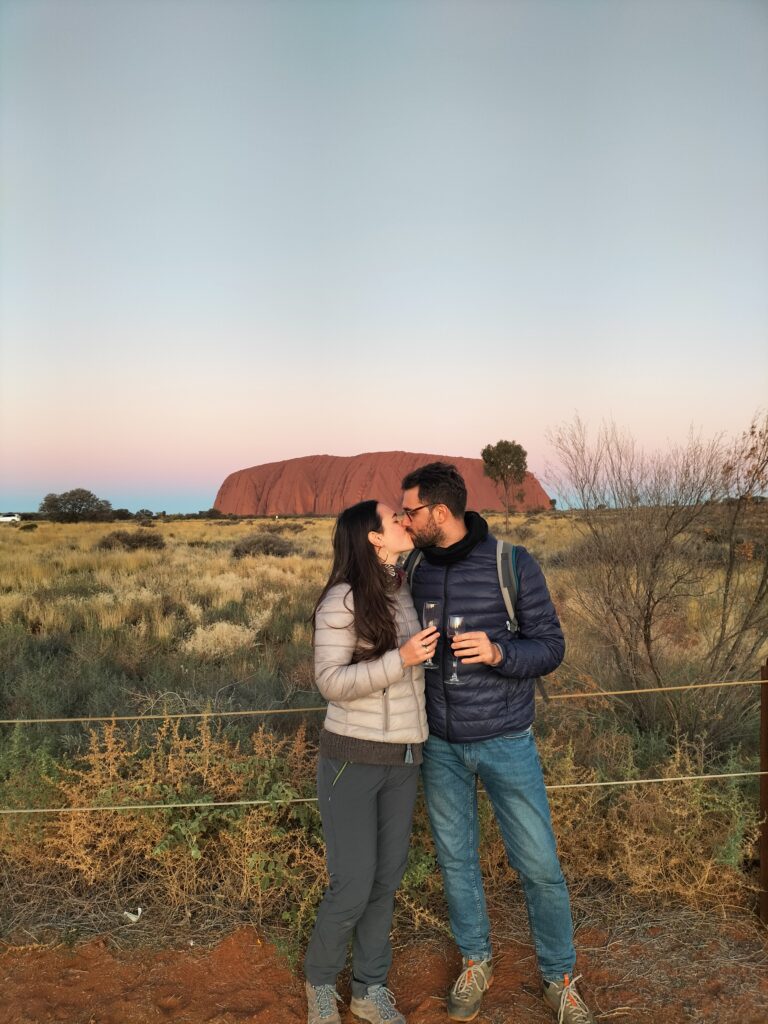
(509, 581)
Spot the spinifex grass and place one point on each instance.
(86, 631)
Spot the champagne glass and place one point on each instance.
(455, 626)
(431, 616)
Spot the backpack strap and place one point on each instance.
(506, 566)
(411, 564)
(509, 582)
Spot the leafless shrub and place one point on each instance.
(660, 579)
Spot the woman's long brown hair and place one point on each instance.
(355, 562)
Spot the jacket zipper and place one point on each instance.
(385, 710)
(445, 653)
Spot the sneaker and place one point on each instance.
(467, 993)
(562, 997)
(321, 1004)
(377, 1006)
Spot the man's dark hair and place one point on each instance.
(439, 483)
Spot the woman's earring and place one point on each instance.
(386, 565)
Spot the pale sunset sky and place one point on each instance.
(239, 231)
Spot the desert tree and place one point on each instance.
(506, 463)
(669, 577)
(74, 506)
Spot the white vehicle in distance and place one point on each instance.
(10, 517)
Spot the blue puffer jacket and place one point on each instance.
(489, 701)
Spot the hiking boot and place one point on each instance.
(377, 1006)
(467, 993)
(562, 997)
(321, 1004)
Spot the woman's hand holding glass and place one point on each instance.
(420, 647)
(431, 615)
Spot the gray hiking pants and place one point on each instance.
(366, 810)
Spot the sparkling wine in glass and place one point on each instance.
(455, 626)
(431, 616)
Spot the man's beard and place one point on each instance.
(428, 536)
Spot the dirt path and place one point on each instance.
(717, 976)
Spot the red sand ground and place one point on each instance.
(243, 981)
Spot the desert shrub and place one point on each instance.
(682, 840)
(130, 541)
(28, 526)
(265, 862)
(264, 544)
(662, 576)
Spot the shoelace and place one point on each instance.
(384, 1001)
(472, 976)
(326, 996)
(570, 998)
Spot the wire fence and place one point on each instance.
(313, 800)
(92, 720)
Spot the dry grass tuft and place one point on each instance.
(218, 640)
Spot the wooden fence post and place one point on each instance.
(764, 795)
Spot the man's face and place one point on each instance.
(419, 520)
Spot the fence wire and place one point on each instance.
(313, 799)
(89, 720)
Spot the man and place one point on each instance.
(480, 728)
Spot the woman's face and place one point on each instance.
(392, 537)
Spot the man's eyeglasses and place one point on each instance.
(409, 513)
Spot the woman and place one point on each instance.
(368, 655)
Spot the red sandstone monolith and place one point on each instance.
(326, 484)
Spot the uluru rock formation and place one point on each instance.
(326, 484)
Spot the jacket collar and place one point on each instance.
(477, 531)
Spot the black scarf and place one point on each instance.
(477, 530)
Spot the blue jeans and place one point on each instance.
(510, 771)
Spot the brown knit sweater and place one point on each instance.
(349, 748)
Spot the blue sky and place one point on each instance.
(237, 232)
